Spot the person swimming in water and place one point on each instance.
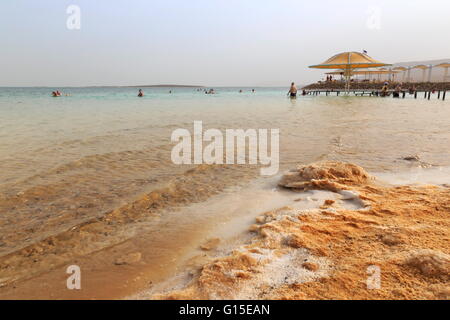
(293, 91)
(384, 90)
(140, 94)
(398, 91)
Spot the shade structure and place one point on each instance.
(378, 72)
(401, 69)
(348, 62)
(335, 72)
(366, 72)
(374, 72)
(445, 65)
(423, 68)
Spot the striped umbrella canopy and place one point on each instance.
(445, 65)
(362, 71)
(348, 62)
(378, 72)
(374, 72)
(401, 69)
(423, 68)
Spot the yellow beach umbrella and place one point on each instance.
(366, 72)
(446, 66)
(335, 72)
(378, 72)
(423, 68)
(401, 69)
(374, 72)
(348, 62)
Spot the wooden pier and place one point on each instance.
(376, 93)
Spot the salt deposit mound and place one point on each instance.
(328, 175)
(430, 263)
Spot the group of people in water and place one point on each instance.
(210, 91)
(59, 94)
(292, 92)
(397, 91)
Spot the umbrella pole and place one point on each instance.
(347, 84)
(430, 73)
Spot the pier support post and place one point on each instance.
(443, 96)
(404, 94)
(429, 95)
(415, 95)
(439, 95)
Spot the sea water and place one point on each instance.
(67, 159)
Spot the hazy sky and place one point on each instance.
(209, 42)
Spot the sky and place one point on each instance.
(208, 42)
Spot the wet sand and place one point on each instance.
(151, 225)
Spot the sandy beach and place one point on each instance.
(330, 222)
(325, 253)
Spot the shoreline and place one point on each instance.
(133, 277)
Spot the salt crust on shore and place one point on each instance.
(325, 253)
